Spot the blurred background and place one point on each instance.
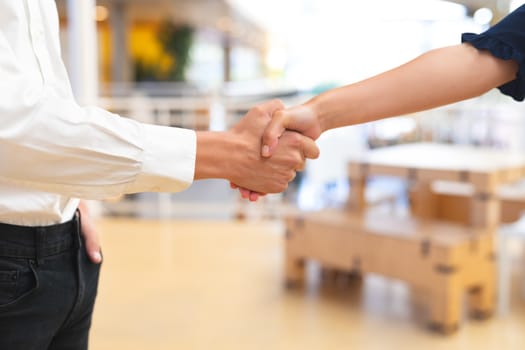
(201, 64)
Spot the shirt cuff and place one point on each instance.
(168, 161)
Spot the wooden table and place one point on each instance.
(424, 163)
(448, 260)
(452, 201)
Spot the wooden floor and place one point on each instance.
(218, 285)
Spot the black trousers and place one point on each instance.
(48, 287)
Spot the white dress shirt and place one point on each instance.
(51, 149)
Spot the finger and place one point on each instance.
(271, 134)
(292, 177)
(244, 193)
(272, 106)
(254, 196)
(90, 234)
(310, 149)
(233, 186)
(301, 166)
(92, 244)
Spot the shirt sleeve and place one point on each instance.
(49, 143)
(505, 40)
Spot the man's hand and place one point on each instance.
(268, 175)
(302, 119)
(90, 234)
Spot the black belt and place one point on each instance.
(40, 241)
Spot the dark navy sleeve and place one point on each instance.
(505, 40)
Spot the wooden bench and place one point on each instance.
(443, 259)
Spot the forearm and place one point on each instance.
(436, 78)
(215, 154)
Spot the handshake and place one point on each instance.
(263, 151)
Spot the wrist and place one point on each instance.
(215, 153)
(315, 108)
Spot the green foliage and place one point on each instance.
(176, 42)
(146, 72)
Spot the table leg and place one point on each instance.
(504, 275)
(423, 200)
(485, 210)
(481, 301)
(294, 263)
(445, 311)
(357, 200)
(295, 271)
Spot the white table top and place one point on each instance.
(486, 169)
(443, 157)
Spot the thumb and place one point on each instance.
(273, 131)
(92, 245)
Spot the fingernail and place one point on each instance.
(265, 150)
(97, 256)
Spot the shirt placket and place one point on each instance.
(36, 30)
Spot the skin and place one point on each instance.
(234, 155)
(436, 78)
(90, 233)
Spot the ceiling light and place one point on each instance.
(483, 16)
(101, 13)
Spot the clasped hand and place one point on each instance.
(286, 141)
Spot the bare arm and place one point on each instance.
(436, 78)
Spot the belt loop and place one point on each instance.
(39, 240)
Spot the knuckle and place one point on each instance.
(296, 137)
(258, 110)
(268, 136)
(276, 188)
(278, 102)
(298, 160)
(282, 183)
(277, 114)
